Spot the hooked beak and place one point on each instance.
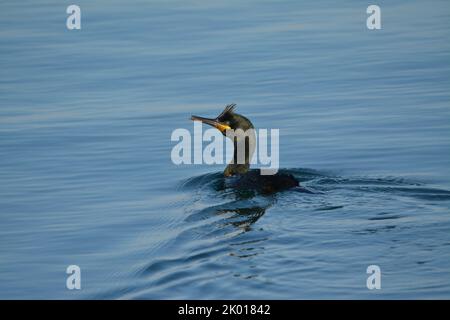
(222, 127)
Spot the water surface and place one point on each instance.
(85, 170)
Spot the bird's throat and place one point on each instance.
(241, 162)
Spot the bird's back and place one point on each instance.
(266, 184)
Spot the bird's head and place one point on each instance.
(241, 131)
(227, 120)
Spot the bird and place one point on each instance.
(238, 172)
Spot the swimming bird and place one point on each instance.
(238, 170)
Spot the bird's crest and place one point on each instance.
(228, 109)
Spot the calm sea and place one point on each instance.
(85, 171)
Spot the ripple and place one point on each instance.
(328, 208)
(385, 217)
(167, 264)
(221, 233)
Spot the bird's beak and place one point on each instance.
(222, 127)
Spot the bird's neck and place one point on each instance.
(244, 148)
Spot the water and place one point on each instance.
(85, 170)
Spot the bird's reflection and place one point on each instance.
(241, 213)
(245, 217)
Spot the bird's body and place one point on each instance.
(265, 184)
(238, 172)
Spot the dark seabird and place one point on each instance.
(238, 172)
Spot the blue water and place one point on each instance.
(86, 176)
